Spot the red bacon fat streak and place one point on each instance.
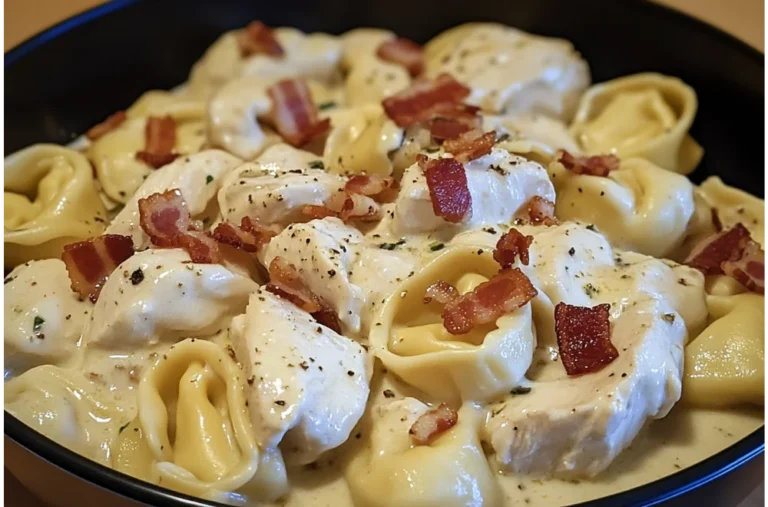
(294, 114)
(258, 38)
(596, 165)
(709, 255)
(403, 52)
(511, 245)
(584, 338)
(285, 282)
(448, 188)
(423, 100)
(433, 423)
(107, 126)
(507, 291)
(89, 263)
(159, 139)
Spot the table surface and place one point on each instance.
(23, 18)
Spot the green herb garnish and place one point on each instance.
(391, 246)
(520, 390)
(326, 105)
(208, 179)
(123, 427)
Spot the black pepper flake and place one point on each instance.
(123, 427)
(351, 373)
(317, 164)
(208, 179)
(391, 246)
(137, 277)
(304, 366)
(251, 380)
(623, 375)
(669, 317)
(572, 251)
(326, 105)
(280, 403)
(388, 393)
(37, 324)
(436, 246)
(520, 390)
(331, 273)
(9, 279)
(592, 227)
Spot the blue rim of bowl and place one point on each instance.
(652, 493)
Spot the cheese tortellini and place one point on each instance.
(725, 364)
(643, 115)
(639, 207)
(510, 71)
(194, 420)
(452, 471)
(68, 408)
(409, 338)
(50, 200)
(113, 155)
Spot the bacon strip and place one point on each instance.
(710, 254)
(433, 423)
(107, 126)
(159, 138)
(164, 217)
(584, 338)
(403, 52)
(347, 206)
(507, 291)
(285, 282)
(451, 120)
(596, 165)
(448, 187)
(314, 211)
(374, 186)
(250, 236)
(90, 262)
(440, 291)
(417, 103)
(540, 211)
(747, 266)
(294, 114)
(512, 244)
(470, 145)
(258, 38)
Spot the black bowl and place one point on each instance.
(66, 79)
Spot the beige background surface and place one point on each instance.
(23, 18)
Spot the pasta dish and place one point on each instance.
(356, 271)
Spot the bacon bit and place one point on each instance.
(258, 38)
(159, 138)
(358, 207)
(747, 266)
(318, 212)
(440, 291)
(710, 254)
(202, 249)
(250, 236)
(584, 338)
(403, 52)
(417, 103)
(107, 126)
(164, 217)
(373, 186)
(507, 291)
(509, 246)
(540, 211)
(90, 262)
(596, 165)
(285, 282)
(470, 145)
(433, 423)
(716, 223)
(448, 188)
(294, 113)
(451, 120)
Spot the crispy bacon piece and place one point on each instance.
(470, 145)
(250, 236)
(358, 207)
(294, 114)
(285, 282)
(374, 186)
(433, 423)
(403, 52)
(747, 266)
(584, 338)
(450, 120)
(314, 211)
(440, 291)
(90, 262)
(164, 217)
(108, 125)
(540, 211)
(258, 38)
(507, 291)
(448, 188)
(710, 254)
(512, 244)
(417, 103)
(159, 138)
(596, 165)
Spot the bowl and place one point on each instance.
(66, 79)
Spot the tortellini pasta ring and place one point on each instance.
(194, 395)
(409, 338)
(644, 115)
